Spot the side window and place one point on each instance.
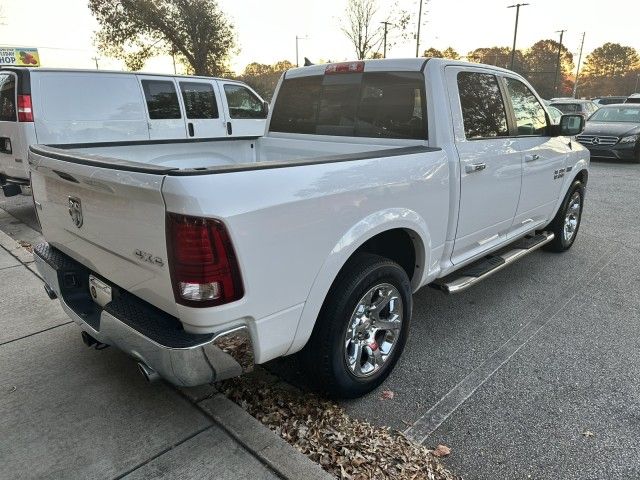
(483, 110)
(199, 100)
(7, 98)
(372, 104)
(243, 103)
(530, 115)
(162, 99)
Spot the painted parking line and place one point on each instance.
(448, 404)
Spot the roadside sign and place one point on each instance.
(23, 57)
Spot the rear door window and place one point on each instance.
(483, 111)
(162, 99)
(7, 97)
(372, 104)
(199, 100)
(531, 118)
(243, 103)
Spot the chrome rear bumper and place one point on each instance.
(147, 334)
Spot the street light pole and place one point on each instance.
(418, 34)
(95, 59)
(515, 31)
(555, 83)
(575, 84)
(298, 38)
(386, 25)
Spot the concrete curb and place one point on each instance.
(264, 444)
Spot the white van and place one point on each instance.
(60, 106)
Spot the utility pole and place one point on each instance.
(575, 84)
(95, 59)
(555, 83)
(386, 25)
(297, 39)
(173, 57)
(637, 79)
(418, 34)
(515, 31)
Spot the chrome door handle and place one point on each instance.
(531, 158)
(475, 167)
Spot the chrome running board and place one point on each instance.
(480, 270)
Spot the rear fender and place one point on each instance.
(355, 237)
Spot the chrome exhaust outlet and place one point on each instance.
(149, 374)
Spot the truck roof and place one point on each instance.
(388, 64)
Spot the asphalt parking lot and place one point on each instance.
(533, 373)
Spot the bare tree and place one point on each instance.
(364, 27)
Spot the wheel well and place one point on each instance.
(397, 245)
(583, 176)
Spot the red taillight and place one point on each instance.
(346, 67)
(25, 112)
(204, 269)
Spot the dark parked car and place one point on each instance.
(613, 132)
(635, 98)
(570, 105)
(600, 101)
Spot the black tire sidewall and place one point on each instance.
(349, 290)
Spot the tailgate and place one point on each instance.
(109, 219)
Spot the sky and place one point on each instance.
(266, 30)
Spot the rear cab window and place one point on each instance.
(483, 110)
(7, 97)
(369, 104)
(243, 103)
(162, 99)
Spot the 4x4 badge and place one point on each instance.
(75, 211)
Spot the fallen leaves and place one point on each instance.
(26, 245)
(345, 447)
(441, 451)
(387, 395)
(588, 434)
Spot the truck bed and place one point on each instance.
(177, 157)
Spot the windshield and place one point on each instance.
(567, 107)
(617, 114)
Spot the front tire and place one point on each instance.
(362, 328)
(566, 223)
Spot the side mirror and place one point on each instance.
(265, 108)
(568, 126)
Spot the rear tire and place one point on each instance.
(362, 328)
(566, 223)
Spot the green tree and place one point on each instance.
(433, 53)
(449, 52)
(196, 31)
(498, 56)
(540, 68)
(264, 78)
(611, 69)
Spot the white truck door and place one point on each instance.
(203, 108)
(490, 168)
(164, 115)
(245, 110)
(13, 133)
(543, 158)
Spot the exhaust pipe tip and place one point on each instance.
(149, 374)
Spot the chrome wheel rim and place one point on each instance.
(572, 217)
(373, 330)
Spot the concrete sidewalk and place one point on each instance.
(67, 411)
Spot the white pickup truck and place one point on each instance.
(375, 178)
